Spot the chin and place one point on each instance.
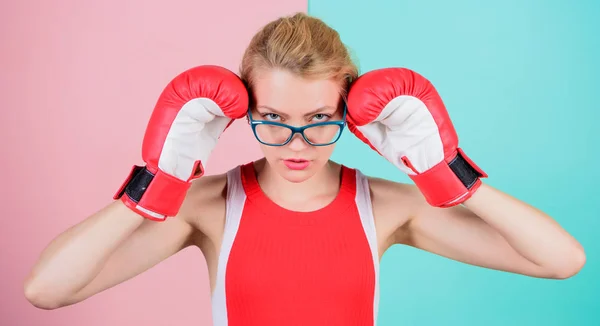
(297, 176)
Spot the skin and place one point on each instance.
(491, 229)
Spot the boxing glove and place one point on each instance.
(399, 114)
(188, 118)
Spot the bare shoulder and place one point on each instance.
(387, 193)
(204, 205)
(394, 203)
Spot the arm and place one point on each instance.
(105, 249)
(117, 243)
(493, 230)
(400, 114)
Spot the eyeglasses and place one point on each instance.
(273, 133)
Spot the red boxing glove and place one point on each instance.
(188, 119)
(401, 116)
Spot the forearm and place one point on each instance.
(532, 233)
(75, 257)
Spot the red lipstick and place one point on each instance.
(296, 163)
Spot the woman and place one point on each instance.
(294, 238)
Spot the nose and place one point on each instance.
(297, 143)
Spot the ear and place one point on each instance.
(343, 102)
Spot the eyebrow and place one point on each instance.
(319, 110)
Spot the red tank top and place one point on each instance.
(282, 267)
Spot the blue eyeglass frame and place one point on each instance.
(297, 130)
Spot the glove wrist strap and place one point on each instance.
(154, 195)
(466, 172)
(450, 183)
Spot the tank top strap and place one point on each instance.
(248, 180)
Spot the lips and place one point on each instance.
(296, 163)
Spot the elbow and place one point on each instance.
(572, 265)
(40, 298)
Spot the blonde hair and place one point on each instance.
(302, 45)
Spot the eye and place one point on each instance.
(270, 116)
(319, 117)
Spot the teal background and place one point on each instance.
(520, 79)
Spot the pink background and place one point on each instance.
(79, 80)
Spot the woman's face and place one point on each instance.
(286, 98)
